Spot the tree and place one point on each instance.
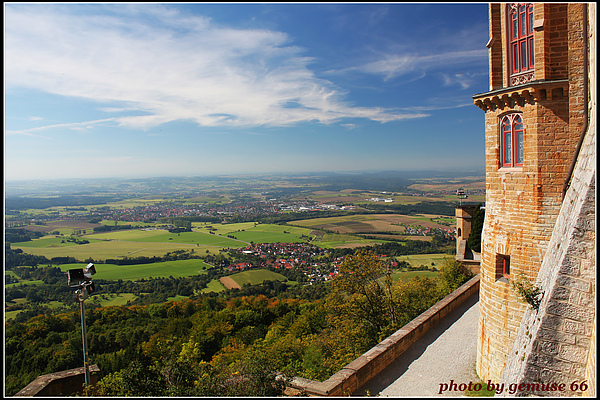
(474, 239)
(141, 379)
(412, 297)
(364, 288)
(451, 276)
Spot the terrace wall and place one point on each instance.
(63, 383)
(354, 375)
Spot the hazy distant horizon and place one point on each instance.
(409, 172)
(97, 90)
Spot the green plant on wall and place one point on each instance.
(527, 291)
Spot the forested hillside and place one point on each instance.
(228, 345)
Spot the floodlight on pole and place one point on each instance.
(461, 195)
(81, 280)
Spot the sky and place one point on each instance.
(191, 89)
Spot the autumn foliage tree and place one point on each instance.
(228, 346)
(363, 290)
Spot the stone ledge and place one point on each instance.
(59, 383)
(354, 375)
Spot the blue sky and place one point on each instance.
(141, 90)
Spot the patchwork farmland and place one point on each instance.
(151, 242)
(372, 224)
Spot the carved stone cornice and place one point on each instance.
(528, 93)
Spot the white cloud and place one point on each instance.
(394, 65)
(155, 61)
(77, 126)
(462, 79)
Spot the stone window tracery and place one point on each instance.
(511, 140)
(520, 42)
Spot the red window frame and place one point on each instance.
(506, 266)
(502, 266)
(520, 20)
(512, 136)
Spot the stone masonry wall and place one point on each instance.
(521, 208)
(523, 203)
(557, 343)
(553, 344)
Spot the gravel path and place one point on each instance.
(444, 355)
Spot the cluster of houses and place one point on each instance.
(419, 230)
(313, 207)
(154, 212)
(298, 256)
(378, 199)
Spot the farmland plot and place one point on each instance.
(256, 276)
(164, 236)
(353, 224)
(176, 269)
(260, 233)
(236, 281)
(101, 250)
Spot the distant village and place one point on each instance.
(243, 209)
(286, 256)
(153, 213)
(301, 257)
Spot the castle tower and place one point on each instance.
(464, 222)
(535, 114)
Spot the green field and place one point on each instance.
(101, 250)
(164, 236)
(53, 305)
(112, 299)
(333, 240)
(158, 242)
(407, 275)
(137, 224)
(49, 241)
(252, 277)
(25, 282)
(256, 276)
(176, 269)
(214, 286)
(11, 274)
(129, 203)
(416, 260)
(10, 314)
(257, 233)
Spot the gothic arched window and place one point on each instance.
(511, 140)
(520, 35)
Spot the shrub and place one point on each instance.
(528, 292)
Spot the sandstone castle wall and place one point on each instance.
(557, 342)
(523, 203)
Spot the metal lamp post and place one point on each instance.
(461, 195)
(81, 280)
